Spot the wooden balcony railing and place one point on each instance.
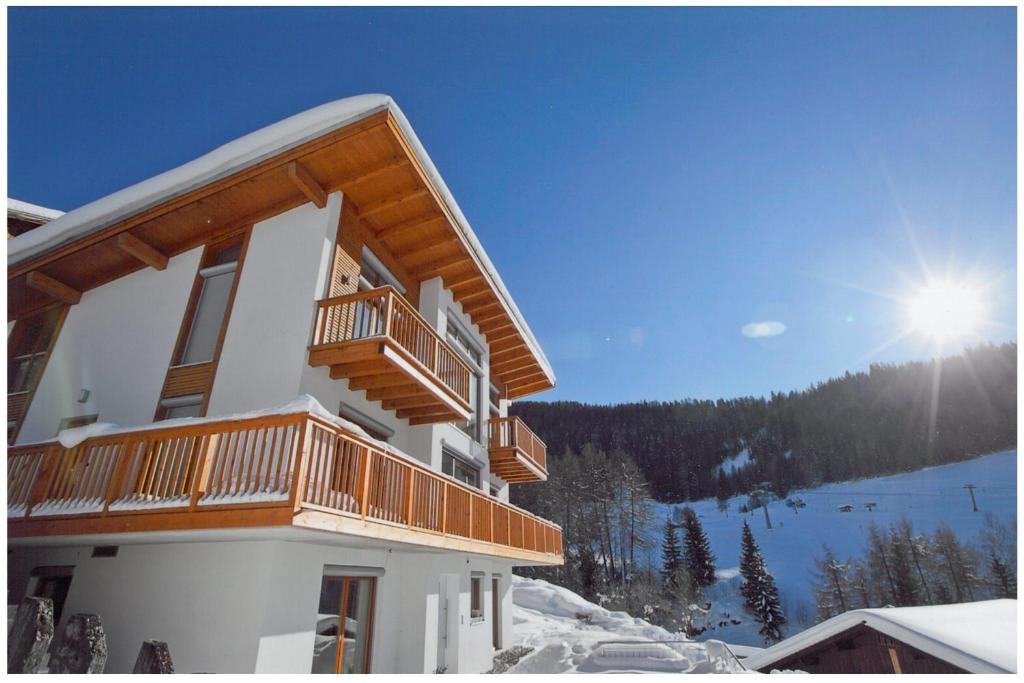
(516, 453)
(295, 470)
(383, 314)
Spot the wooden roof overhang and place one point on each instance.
(373, 163)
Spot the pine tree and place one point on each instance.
(760, 594)
(671, 553)
(1003, 579)
(699, 558)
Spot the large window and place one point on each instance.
(344, 625)
(471, 353)
(454, 466)
(28, 348)
(190, 376)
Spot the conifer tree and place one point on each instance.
(1003, 578)
(902, 568)
(760, 594)
(699, 558)
(671, 553)
(832, 585)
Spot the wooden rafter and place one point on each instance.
(472, 296)
(399, 229)
(58, 290)
(510, 355)
(483, 308)
(391, 202)
(521, 375)
(375, 381)
(524, 389)
(143, 251)
(501, 332)
(444, 263)
(426, 245)
(401, 391)
(305, 181)
(482, 321)
(392, 164)
(458, 279)
(509, 366)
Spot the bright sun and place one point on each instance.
(946, 311)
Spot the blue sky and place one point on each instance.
(648, 182)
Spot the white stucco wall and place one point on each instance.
(251, 606)
(117, 343)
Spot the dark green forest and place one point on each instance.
(892, 418)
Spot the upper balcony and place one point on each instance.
(382, 345)
(516, 454)
(285, 474)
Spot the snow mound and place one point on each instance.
(569, 634)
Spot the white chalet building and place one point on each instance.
(258, 409)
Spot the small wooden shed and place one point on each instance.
(976, 637)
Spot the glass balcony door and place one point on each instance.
(344, 626)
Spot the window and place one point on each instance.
(28, 348)
(73, 422)
(377, 430)
(476, 596)
(182, 406)
(373, 273)
(202, 330)
(454, 466)
(209, 312)
(461, 341)
(53, 583)
(344, 625)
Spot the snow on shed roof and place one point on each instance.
(980, 637)
(31, 212)
(240, 154)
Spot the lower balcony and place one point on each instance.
(382, 345)
(517, 455)
(284, 471)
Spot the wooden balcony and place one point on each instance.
(382, 345)
(517, 454)
(284, 471)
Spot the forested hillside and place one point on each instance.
(892, 418)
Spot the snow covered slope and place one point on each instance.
(571, 635)
(928, 498)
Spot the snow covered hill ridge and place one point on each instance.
(560, 632)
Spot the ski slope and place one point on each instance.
(928, 498)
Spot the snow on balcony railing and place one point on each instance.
(306, 460)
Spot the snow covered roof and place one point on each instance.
(980, 637)
(240, 154)
(31, 212)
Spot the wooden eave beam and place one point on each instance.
(465, 300)
(510, 366)
(53, 288)
(510, 355)
(398, 229)
(143, 251)
(392, 202)
(521, 375)
(405, 390)
(361, 176)
(461, 279)
(376, 381)
(480, 322)
(422, 411)
(502, 332)
(305, 181)
(504, 344)
(433, 268)
(426, 245)
(524, 389)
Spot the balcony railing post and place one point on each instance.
(47, 471)
(364, 481)
(444, 507)
(411, 478)
(206, 461)
(303, 454)
(389, 310)
(119, 477)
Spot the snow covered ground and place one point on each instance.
(570, 635)
(927, 498)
